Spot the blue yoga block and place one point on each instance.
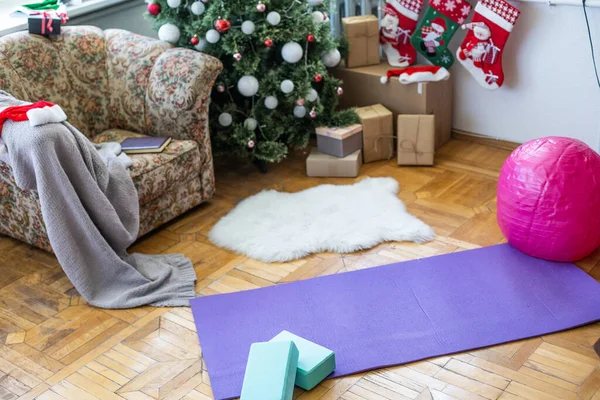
(271, 371)
(315, 362)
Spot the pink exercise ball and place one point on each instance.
(549, 199)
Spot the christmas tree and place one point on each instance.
(274, 89)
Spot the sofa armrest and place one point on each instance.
(178, 95)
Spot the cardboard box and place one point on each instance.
(363, 88)
(339, 142)
(324, 165)
(378, 133)
(362, 35)
(416, 139)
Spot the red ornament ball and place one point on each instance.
(340, 91)
(251, 144)
(310, 37)
(154, 9)
(268, 43)
(260, 7)
(220, 88)
(222, 25)
(194, 41)
(318, 78)
(300, 102)
(312, 114)
(237, 56)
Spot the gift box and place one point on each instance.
(339, 142)
(491, 53)
(416, 139)
(377, 132)
(46, 23)
(324, 165)
(362, 35)
(362, 87)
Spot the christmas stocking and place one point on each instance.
(397, 25)
(439, 24)
(481, 51)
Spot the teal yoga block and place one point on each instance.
(270, 371)
(315, 362)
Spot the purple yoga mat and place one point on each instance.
(399, 313)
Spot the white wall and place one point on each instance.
(549, 87)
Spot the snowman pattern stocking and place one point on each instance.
(481, 50)
(397, 25)
(439, 24)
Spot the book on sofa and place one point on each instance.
(144, 145)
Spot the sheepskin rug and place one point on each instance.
(273, 226)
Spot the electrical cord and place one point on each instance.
(587, 22)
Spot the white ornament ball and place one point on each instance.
(201, 45)
(174, 3)
(312, 96)
(271, 102)
(331, 58)
(250, 124)
(314, 3)
(273, 18)
(248, 27)
(291, 52)
(169, 33)
(225, 119)
(260, 7)
(213, 36)
(318, 17)
(247, 85)
(287, 86)
(197, 8)
(299, 112)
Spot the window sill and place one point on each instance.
(12, 24)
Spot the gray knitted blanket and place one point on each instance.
(91, 212)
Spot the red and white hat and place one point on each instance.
(427, 73)
(439, 25)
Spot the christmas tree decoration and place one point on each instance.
(174, 3)
(340, 91)
(287, 86)
(481, 50)
(291, 52)
(300, 102)
(331, 58)
(318, 17)
(197, 8)
(154, 9)
(273, 18)
(169, 33)
(299, 112)
(313, 114)
(269, 62)
(397, 26)
(225, 119)
(248, 85)
(250, 124)
(271, 102)
(213, 36)
(248, 27)
(222, 25)
(312, 95)
(438, 26)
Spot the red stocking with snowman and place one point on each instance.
(481, 50)
(397, 25)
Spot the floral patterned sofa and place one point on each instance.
(112, 85)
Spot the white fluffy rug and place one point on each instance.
(274, 226)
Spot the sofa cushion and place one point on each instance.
(155, 174)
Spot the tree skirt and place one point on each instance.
(273, 226)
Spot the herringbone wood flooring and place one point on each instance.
(54, 346)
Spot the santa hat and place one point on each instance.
(472, 25)
(439, 25)
(428, 73)
(37, 114)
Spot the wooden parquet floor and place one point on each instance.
(53, 346)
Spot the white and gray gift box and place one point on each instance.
(339, 142)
